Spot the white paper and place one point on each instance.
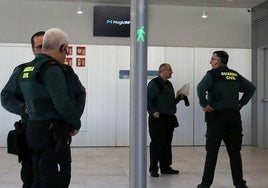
(184, 90)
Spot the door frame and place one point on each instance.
(261, 141)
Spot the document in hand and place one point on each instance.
(184, 90)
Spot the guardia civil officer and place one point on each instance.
(52, 113)
(218, 94)
(12, 100)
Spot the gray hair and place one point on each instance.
(162, 67)
(54, 38)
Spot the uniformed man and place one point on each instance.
(161, 106)
(52, 112)
(13, 101)
(218, 94)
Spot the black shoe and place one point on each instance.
(202, 186)
(154, 174)
(169, 171)
(243, 186)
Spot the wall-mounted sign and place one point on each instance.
(80, 62)
(124, 74)
(68, 61)
(70, 50)
(80, 50)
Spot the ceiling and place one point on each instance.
(208, 3)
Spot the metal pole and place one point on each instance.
(138, 95)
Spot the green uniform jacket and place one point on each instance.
(220, 89)
(44, 87)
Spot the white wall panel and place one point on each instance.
(156, 56)
(122, 97)
(101, 96)
(182, 62)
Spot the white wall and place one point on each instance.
(179, 26)
(105, 121)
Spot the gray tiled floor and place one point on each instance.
(103, 167)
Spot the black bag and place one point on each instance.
(15, 138)
(12, 142)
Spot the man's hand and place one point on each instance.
(156, 115)
(186, 100)
(208, 109)
(179, 95)
(74, 132)
(239, 107)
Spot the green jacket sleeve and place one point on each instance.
(248, 89)
(55, 82)
(152, 93)
(203, 86)
(77, 90)
(11, 96)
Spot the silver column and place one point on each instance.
(138, 95)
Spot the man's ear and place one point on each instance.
(62, 47)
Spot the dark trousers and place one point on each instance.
(161, 132)
(224, 125)
(26, 172)
(25, 158)
(49, 145)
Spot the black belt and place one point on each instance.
(44, 123)
(166, 115)
(225, 110)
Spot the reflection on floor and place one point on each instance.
(108, 167)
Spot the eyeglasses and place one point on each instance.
(168, 69)
(212, 59)
(39, 47)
